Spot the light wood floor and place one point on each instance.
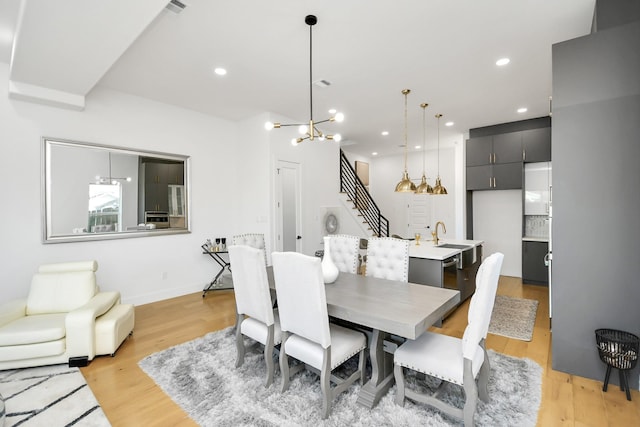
(130, 398)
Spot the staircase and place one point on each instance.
(360, 199)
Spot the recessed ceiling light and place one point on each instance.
(220, 71)
(502, 62)
(449, 124)
(375, 153)
(522, 110)
(333, 111)
(385, 133)
(417, 147)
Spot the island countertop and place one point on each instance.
(428, 250)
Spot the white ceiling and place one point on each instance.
(444, 51)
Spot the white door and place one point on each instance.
(419, 216)
(288, 209)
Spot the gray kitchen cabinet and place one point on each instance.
(507, 148)
(533, 269)
(536, 145)
(480, 151)
(495, 162)
(495, 177)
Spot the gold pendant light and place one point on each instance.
(439, 188)
(424, 187)
(405, 185)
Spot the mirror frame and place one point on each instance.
(47, 230)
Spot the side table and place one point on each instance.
(222, 263)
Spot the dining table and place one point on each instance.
(390, 308)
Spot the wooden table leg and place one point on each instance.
(382, 372)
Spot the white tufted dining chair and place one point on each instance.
(344, 252)
(255, 240)
(388, 258)
(455, 360)
(307, 334)
(253, 299)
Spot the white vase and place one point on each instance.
(329, 270)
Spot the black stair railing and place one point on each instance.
(353, 187)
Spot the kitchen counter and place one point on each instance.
(427, 250)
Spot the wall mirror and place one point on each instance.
(98, 192)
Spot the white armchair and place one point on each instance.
(64, 319)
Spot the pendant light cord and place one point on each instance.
(311, 73)
(406, 144)
(438, 116)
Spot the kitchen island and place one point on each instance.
(451, 264)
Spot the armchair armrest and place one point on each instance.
(12, 310)
(80, 324)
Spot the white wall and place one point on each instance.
(497, 219)
(132, 266)
(231, 177)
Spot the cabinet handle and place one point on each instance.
(494, 182)
(494, 158)
(490, 184)
(490, 160)
(524, 155)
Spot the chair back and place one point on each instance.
(302, 302)
(255, 240)
(388, 258)
(250, 283)
(481, 305)
(344, 252)
(62, 287)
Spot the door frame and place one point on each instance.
(278, 203)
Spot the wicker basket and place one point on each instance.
(618, 349)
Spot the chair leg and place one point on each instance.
(268, 355)
(398, 373)
(483, 377)
(325, 383)
(471, 394)
(624, 380)
(284, 363)
(361, 365)
(239, 341)
(606, 378)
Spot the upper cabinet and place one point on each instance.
(495, 154)
(536, 145)
(495, 162)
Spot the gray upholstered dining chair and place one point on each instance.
(307, 334)
(455, 360)
(344, 252)
(256, 318)
(255, 240)
(388, 258)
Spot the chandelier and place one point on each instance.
(310, 131)
(405, 185)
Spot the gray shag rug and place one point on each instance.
(513, 317)
(201, 377)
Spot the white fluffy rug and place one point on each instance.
(513, 317)
(201, 377)
(49, 396)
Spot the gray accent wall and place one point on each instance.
(596, 195)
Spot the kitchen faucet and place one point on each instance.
(434, 234)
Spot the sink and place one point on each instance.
(453, 246)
